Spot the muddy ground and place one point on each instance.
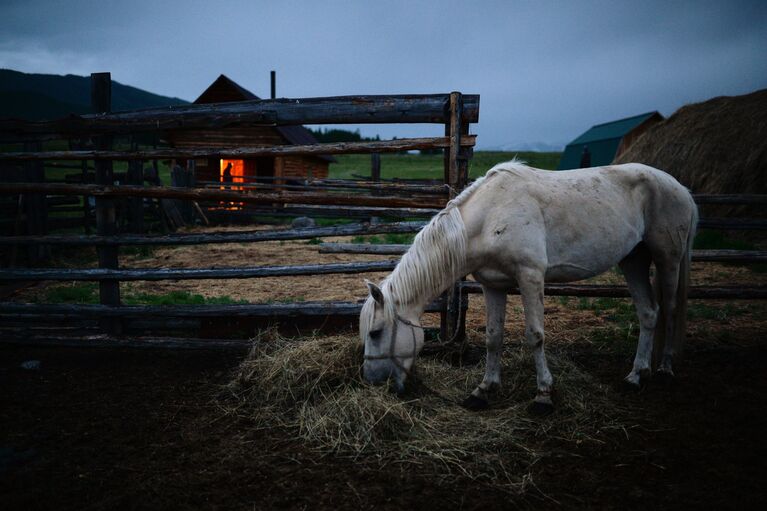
(144, 429)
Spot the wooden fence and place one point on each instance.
(455, 111)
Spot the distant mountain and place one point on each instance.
(39, 96)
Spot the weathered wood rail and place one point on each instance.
(198, 194)
(217, 237)
(383, 146)
(401, 109)
(723, 256)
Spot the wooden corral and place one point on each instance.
(455, 111)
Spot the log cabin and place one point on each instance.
(264, 169)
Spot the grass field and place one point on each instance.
(431, 166)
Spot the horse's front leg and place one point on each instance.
(531, 288)
(495, 303)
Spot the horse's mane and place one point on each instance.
(435, 259)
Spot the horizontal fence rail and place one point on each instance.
(741, 198)
(125, 275)
(423, 108)
(284, 310)
(383, 146)
(609, 291)
(728, 256)
(197, 194)
(220, 237)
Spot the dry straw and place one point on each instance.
(313, 386)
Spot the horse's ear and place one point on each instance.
(375, 292)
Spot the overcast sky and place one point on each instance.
(545, 70)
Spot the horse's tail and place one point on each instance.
(679, 316)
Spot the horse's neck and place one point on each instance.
(436, 259)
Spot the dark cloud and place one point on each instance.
(545, 70)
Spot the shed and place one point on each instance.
(605, 142)
(264, 169)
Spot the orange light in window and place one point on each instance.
(232, 171)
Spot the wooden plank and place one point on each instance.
(735, 224)
(453, 128)
(423, 108)
(283, 310)
(257, 214)
(135, 176)
(106, 220)
(107, 341)
(313, 186)
(730, 256)
(607, 291)
(382, 146)
(202, 194)
(35, 209)
(219, 237)
(362, 248)
(132, 274)
(727, 256)
(731, 198)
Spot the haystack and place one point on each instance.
(717, 146)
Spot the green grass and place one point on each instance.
(621, 329)
(697, 310)
(85, 292)
(392, 238)
(431, 166)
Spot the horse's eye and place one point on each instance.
(375, 334)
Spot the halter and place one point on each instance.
(395, 359)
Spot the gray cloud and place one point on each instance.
(546, 71)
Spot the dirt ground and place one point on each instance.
(144, 429)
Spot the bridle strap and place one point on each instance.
(392, 356)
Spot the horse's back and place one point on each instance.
(574, 223)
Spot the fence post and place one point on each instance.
(35, 206)
(135, 204)
(453, 318)
(106, 225)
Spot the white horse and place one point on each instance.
(520, 227)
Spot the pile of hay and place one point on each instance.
(717, 146)
(313, 387)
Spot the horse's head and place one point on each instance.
(392, 339)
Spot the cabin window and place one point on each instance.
(232, 171)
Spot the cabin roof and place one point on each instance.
(224, 89)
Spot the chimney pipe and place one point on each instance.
(274, 84)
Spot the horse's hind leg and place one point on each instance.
(495, 302)
(668, 278)
(531, 288)
(636, 269)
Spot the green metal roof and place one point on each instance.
(602, 140)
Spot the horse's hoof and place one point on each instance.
(665, 378)
(540, 409)
(631, 386)
(475, 403)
